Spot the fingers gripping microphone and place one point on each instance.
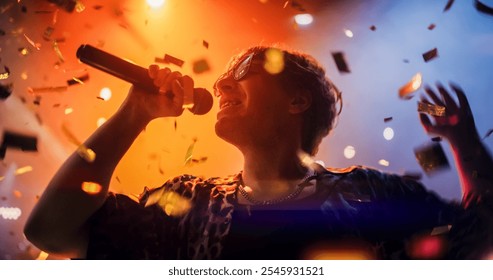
(136, 75)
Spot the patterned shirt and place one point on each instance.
(356, 210)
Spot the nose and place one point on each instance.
(224, 84)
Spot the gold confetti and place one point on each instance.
(57, 51)
(79, 7)
(35, 45)
(20, 171)
(47, 89)
(23, 51)
(274, 61)
(5, 74)
(42, 256)
(68, 111)
(84, 152)
(383, 162)
(413, 85)
(91, 187)
(432, 109)
(189, 154)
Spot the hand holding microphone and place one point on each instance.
(199, 104)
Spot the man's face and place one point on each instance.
(251, 107)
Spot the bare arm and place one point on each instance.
(473, 160)
(58, 223)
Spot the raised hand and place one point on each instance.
(458, 121)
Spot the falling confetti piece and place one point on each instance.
(68, 111)
(47, 33)
(340, 62)
(57, 51)
(413, 85)
(483, 8)
(348, 33)
(5, 74)
(172, 203)
(19, 141)
(20, 171)
(170, 59)
(431, 26)
(201, 66)
(67, 5)
(489, 133)
(431, 109)
(5, 91)
(285, 4)
(47, 89)
(431, 54)
(373, 28)
(431, 157)
(387, 119)
(37, 46)
(86, 153)
(449, 5)
(42, 256)
(383, 162)
(97, 7)
(441, 230)
(189, 154)
(205, 44)
(274, 61)
(91, 188)
(23, 51)
(78, 80)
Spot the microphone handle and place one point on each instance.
(117, 67)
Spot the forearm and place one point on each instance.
(474, 166)
(57, 223)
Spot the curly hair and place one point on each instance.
(302, 72)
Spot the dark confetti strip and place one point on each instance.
(431, 54)
(483, 8)
(387, 119)
(78, 80)
(449, 5)
(436, 139)
(373, 28)
(431, 157)
(47, 33)
(340, 62)
(99, 97)
(2, 32)
(173, 60)
(67, 5)
(205, 44)
(200, 66)
(405, 60)
(24, 9)
(97, 7)
(19, 141)
(56, 105)
(37, 100)
(297, 6)
(489, 133)
(176, 124)
(5, 91)
(431, 26)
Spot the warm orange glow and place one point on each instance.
(105, 93)
(413, 85)
(91, 188)
(155, 3)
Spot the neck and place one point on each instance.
(271, 173)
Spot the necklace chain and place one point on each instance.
(292, 195)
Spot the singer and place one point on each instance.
(281, 205)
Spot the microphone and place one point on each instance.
(137, 75)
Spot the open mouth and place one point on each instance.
(230, 104)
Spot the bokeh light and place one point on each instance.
(388, 133)
(155, 3)
(105, 93)
(303, 19)
(349, 152)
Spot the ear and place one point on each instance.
(300, 102)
